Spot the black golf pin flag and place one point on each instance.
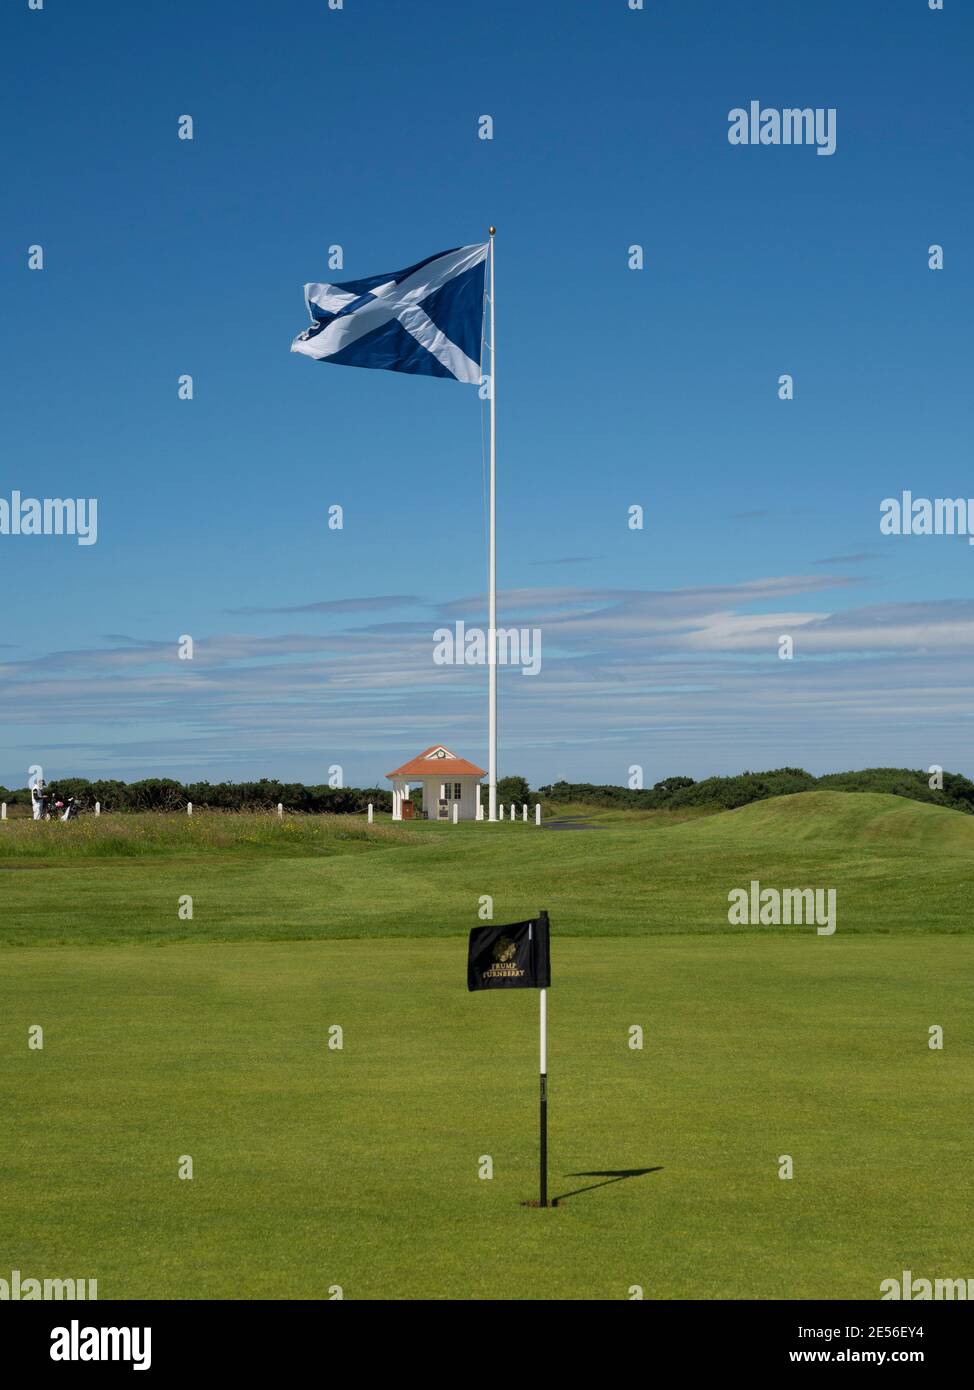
(512, 957)
(519, 957)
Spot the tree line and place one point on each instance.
(166, 794)
(672, 793)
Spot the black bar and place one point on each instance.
(247, 1336)
(544, 1140)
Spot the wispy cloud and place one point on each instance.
(690, 678)
(337, 605)
(847, 559)
(566, 560)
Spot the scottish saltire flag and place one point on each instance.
(426, 319)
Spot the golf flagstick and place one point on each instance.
(543, 1197)
(543, 1112)
(518, 956)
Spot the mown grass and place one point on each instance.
(359, 1167)
(315, 1167)
(896, 865)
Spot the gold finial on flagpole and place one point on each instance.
(492, 230)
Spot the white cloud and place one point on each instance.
(684, 677)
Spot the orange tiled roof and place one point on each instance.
(427, 764)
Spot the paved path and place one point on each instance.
(570, 823)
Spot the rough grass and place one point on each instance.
(160, 834)
(896, 865)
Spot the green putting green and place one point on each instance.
(316, 1167)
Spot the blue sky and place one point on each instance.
(616, 387)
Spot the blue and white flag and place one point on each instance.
(427, 319)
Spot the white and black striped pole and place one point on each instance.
(543, 1198)
(543, 1115)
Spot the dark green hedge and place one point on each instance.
(673, 793)
(728, 792)
(163, 794)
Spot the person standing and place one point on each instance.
(38, 799)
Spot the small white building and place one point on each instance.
(447, 781)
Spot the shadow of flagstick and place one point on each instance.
(610, 1175)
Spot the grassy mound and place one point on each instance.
(896, 865)
(843, 819)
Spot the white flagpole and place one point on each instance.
(492, 568)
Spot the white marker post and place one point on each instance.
(537, 813)
(97, 808)
(189, 808)
(456, 814)
(3, 810)
(524, 811)
(280, 810)
(371, 812)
